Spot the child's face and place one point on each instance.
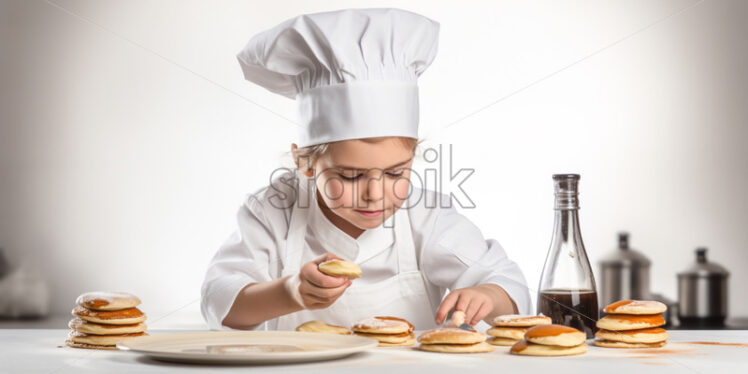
(364, 182)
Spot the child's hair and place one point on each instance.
(308, 156)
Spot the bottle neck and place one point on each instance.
(566, 227)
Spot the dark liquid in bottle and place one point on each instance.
(573, 308)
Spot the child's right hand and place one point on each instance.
(319, 290)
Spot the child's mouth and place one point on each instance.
(369, 213)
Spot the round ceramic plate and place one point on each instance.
(247, 347)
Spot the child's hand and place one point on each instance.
(476, 302)
(319, 290)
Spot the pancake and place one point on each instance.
(557, 335)
(613, 344)
(383, 325)
(619, 322)
(495, 340)
(324, 328)
(411, 341)
(652, 335)
(515, 333)
(450, 335)
(79, 337)
(389, 338)
(637, 307)
(516, 320)
(107, 300)
(73, 344)
(481, 347)
(525, 348)
(81, 325)
(340, 268)
(110, 317)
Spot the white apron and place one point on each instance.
(403, 295)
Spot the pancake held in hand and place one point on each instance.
(614, 344)
(83, 338)
(557, 335)
(107, 300)
(525, 348)
(112, 317)
(81, 325)
(653, 335)
(637, 307)
(516, 320)
(340, 268)
(321, 327)
(618, 322)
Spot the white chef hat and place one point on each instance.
(353, 72)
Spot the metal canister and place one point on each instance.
(624, 274)
(702, 293)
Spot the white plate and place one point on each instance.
(247, 347)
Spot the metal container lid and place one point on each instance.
(703, 268)
(625, 256)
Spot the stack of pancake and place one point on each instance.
(321, 327)
(453, 340)
(103, 319)
(632, 324)
(509, 329)
(551, 340)
(389, 331)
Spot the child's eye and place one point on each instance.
(395, 175)
(350, 178)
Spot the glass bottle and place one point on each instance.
(567, 291)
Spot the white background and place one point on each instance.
(128, 137)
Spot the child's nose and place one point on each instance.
(375, 189)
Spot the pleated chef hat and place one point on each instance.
(353, 72)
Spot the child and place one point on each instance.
(354, 75)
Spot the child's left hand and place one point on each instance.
(476, 302)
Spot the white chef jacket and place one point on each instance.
(450, 250)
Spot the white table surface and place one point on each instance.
(43, 351)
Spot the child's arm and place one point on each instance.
(259, 302)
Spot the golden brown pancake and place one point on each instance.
(389, 338)
(516, 320)
(73, 344)
(107, 300)
(340, 268)
(383, 325)
(525, 348)
(636, 307)
(321, 327)
(451, 335)
(613, 344)
(652, 335)
(516, 333)
(79, 337)
(113, 317)
(618, 322)
(92, 328)
(496, 340)
(557, 335)
(481, 347)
